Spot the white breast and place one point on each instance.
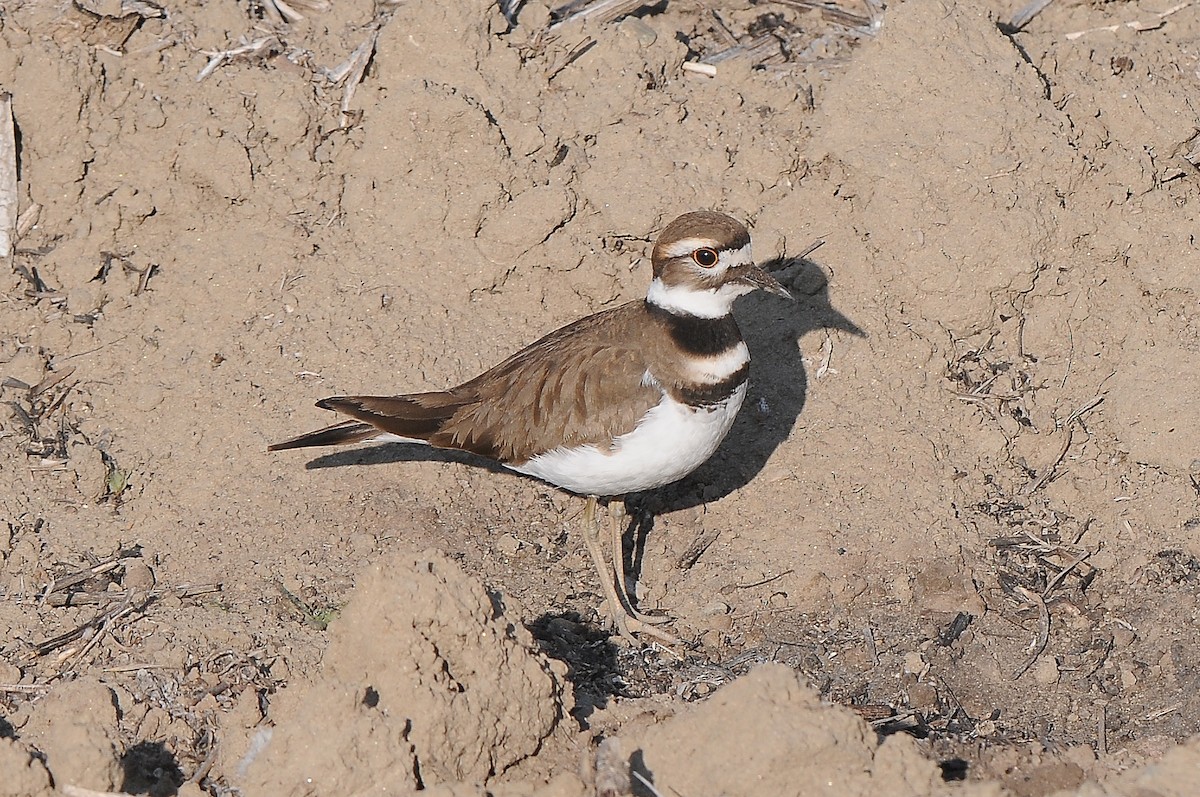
(671, 441)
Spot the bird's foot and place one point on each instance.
(636, 627)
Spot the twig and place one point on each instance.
(1043, 635)
(1162, 712)
(1025, 15)
(826, 357)
(831, 13)
(207, 764)
(574, 55)
(257, 47)
(1049, 470)
(646, 784)
(50, 380)
(1158, 21)
(351, 71)
(600, 12)
(869, 636)
(689, 557)
(1072, 420)
(1063, 573)
(8, 179)
(766, 580)
(135, 667)
(708, 70)
(63, 583)
(24, 689)
(812, 247)
(144, 279)
(109, 596)
(54, 363)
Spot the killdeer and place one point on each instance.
(625, 400)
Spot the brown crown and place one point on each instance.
(725, 233)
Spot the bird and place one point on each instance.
(625, 400)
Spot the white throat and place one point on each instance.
(699, 302)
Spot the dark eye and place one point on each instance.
(705, 257)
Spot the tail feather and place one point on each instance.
(416, 417)
(339, 434)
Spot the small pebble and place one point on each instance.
(508, 545)
(1045, 670)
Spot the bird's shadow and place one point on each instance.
(388, 453)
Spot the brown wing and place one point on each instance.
(578, 385)
(582, 384)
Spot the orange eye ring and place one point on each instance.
(705, 257)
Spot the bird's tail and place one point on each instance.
(414, 418)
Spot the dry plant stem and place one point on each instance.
(1157, 21)
(689, 557)
(78, 577)
(352, 71)
(831, 13)
(708, 70)
(206, 765)
(78, 791)
(766, 580)
(8, 179)
(1043, 635)
(600, 12)
(24, 689)
(1054, 582)
(872, 649)
(1162, 712)
(646, 784)
(571, 57)
(826, 357)
(106, 596)
(1025, 15)
(812, 247)
(216, 58)
(1050, 470)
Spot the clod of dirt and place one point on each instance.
(771, 730)
(1174, 775)
(426, 680)
(23, 774)
(971, 149)
(75, 729)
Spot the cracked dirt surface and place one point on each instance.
(952, 544)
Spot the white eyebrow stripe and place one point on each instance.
(685, 246)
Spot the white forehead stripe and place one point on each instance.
(736, 257)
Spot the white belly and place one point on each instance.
(669, 443)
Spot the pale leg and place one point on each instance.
(626, 624)
(616, 531)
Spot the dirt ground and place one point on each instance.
(952, 545)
